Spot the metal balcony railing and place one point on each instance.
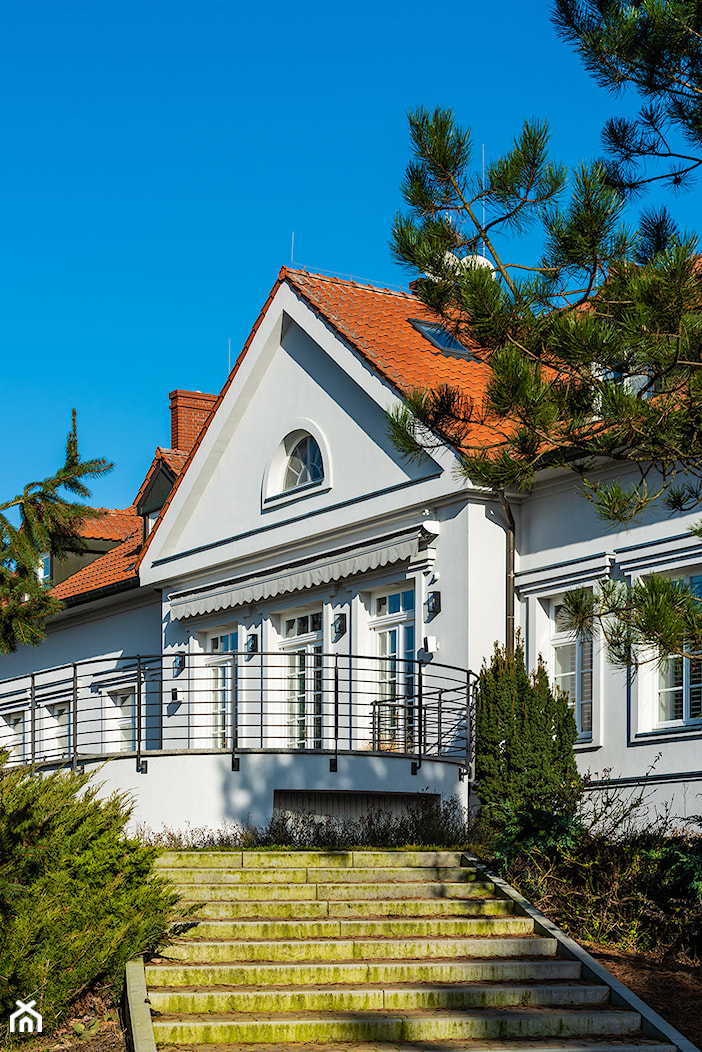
(295, 700)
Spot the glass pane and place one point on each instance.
(560, 618)
(670, 705)
(394, 603)
(381, 605)
(565, 657)
(215, 644)
(290, 628)
(695, 702)
(316, 623)
(671, 675)
(408, 600)
(586, 718)
(303, 625)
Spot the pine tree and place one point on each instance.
(594, 352)
(524, 737)
(49, 524)
(655, 48)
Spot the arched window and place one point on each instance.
(305, 465)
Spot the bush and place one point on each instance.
(421, 824)
(524, 737)
(77, 897)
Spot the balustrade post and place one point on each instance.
(334, 761)
(235, 712)
(416, 764)
(33, 717)
(74, 719)
(438, 722)
(141, 765)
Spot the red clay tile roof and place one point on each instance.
(118, 567)
(377, 322)
(115, 568)
(112, 525)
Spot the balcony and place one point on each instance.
(299, 701)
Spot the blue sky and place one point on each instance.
(158, 157)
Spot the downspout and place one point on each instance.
(509, 576)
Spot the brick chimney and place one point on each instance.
(189, 411)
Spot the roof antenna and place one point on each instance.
(292, 248)
(483, 199)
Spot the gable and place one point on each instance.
(296, 377)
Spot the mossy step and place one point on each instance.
(227, 909)
(427, 1026)
(392, 999)
(225, 890)
(320, 875)
(440, 971)
(297, 859)
(359, 949)
(387, 927)
(640, 1044)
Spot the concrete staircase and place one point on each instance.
(375, 949)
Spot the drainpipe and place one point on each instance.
(509, 576)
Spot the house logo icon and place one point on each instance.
(25, 1020)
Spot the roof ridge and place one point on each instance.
(332, 278)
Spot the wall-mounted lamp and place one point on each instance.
(178, 664)
(339, 626)
(433, 604)
(252, 643)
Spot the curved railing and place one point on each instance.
(296, 700)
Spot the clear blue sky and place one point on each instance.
(158, 157)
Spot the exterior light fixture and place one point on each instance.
(433, 604)
(252, 643)
(178, 664)
(339, 626)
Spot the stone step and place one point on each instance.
(374, 999)
(593, 1044)
(299, 892)
(277, 859)
(257, 909)
(438, 970)
(358, 949)
(320, 875)
(410, 1026)
(396, 928)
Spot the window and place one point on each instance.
(44, 570)
(572, 671)
(394, 717)
(302, 645)
(13, 734)
(440, 337)
(218, 719)
(680, 681)
(305, 466)
(122, 720)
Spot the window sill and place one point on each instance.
(279, 500)
(665, 730)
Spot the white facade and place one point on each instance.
(297, 573)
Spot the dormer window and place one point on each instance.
(305, 466)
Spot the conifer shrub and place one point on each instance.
(524, 737)
(78, 898)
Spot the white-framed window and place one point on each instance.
(14, 734)
(573, 669)
(393, 612)
(122, 729)
(219, 715)
(305, 465)
(44, 570)
(680, 680)
(302, 647)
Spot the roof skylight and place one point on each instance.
(440, 337)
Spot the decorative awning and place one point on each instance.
(301, 574)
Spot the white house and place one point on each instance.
(293, 619)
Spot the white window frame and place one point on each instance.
(394, 723)
(305, 680)
(221, 715)
(582, 705)
(691, 670)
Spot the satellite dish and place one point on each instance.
(456, 263)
